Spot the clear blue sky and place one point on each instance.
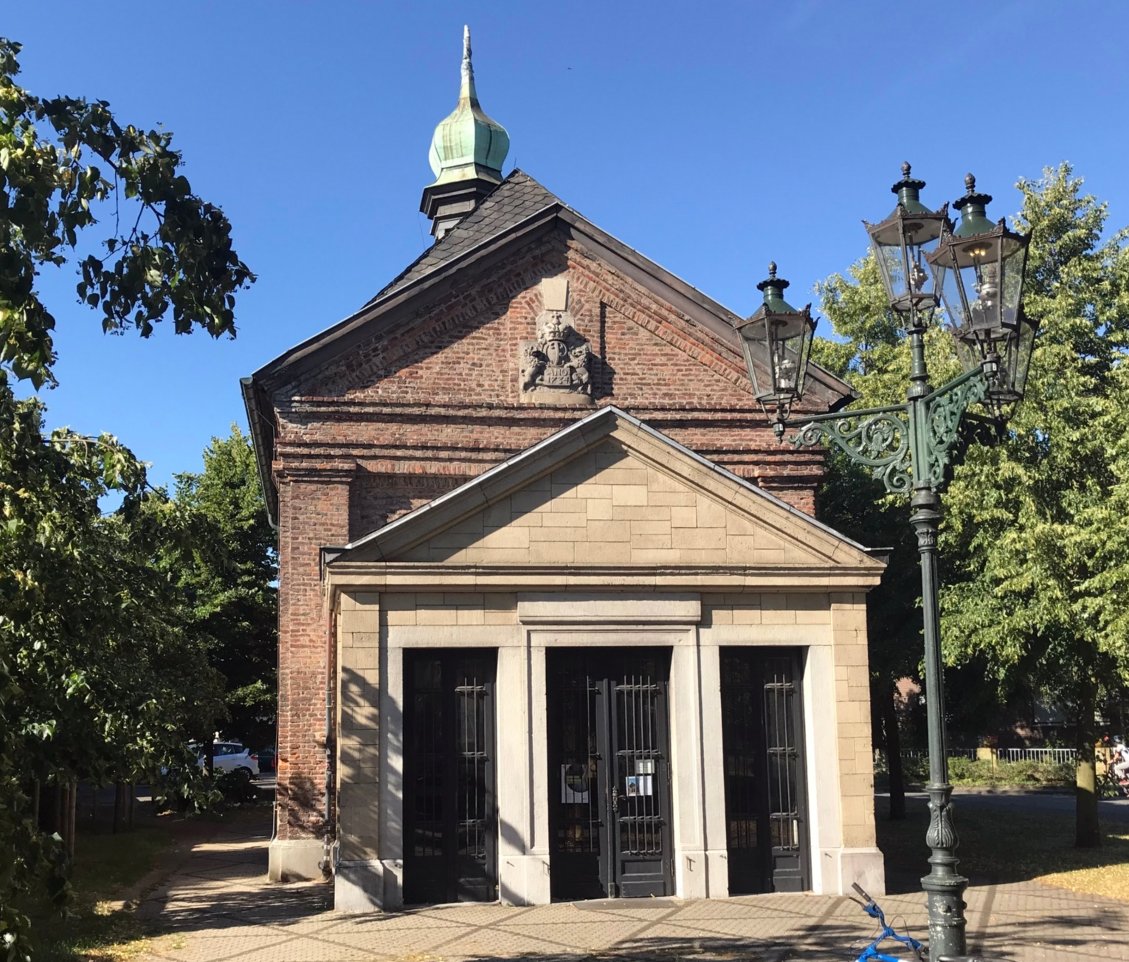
(711, 136)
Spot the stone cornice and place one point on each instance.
(341, 472)
(424, 576)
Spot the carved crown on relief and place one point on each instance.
(554, 368)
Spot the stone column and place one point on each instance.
(358, 879)
(859, 860)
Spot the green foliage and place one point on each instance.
(872, 352)
(103, 673)
(1022, 774)
(985, 773)
(1034, 549)
(65, 162)
(1035, 534)
(101, 680)
(228, 577)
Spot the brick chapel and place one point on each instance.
(556, 618)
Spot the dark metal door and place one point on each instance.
(450, 841)
(762, 738)
(609, 773)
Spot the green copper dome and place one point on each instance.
(468, 144)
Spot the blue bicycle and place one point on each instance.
(874, 910)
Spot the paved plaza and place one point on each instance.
(218, 906)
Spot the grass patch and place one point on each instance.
(1110, 879)
(108, 870)
(998, 846)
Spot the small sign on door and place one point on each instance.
(574, 784)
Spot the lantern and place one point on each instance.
(903, 244)
(776, 341)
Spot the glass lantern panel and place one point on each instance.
(1013, 258)
(754, 345)
(980, 274)
(886, 243)
(901, 245)
(785, 366)
(1017, 359)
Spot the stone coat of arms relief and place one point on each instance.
(554, 369)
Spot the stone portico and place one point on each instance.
(607, 535)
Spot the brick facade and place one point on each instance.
(427, 397)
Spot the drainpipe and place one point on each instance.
(328, 863)
(330, 852)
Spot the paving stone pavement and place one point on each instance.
(217, 906)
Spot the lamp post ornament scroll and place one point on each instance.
(974, 271)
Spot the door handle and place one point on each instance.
(615, 798)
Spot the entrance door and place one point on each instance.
(450, 843)
(609, 772)
(762, 738)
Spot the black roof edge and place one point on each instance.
(310, 346)
(846, 393)
(264, 451)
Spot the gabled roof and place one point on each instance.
(826, 547)
(518, 210)
(515, 199)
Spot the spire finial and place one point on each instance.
(970, 183)
(467, 152)
(772, 269)
(466, 90)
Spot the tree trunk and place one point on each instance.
(71, 816)
(893, 739)
(1087, 832)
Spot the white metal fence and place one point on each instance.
(1055, 756)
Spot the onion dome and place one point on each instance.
(468, 144)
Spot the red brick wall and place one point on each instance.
(395, 422)
(313, 510)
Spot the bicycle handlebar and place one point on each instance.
(859, 889)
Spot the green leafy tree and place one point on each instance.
(101, 670)
(1035, 557)
(65, 163)
(229, 579)
(101, 675)
(1033, 534)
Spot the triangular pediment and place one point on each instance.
(610, 491)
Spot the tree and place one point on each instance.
(1035, 557)
(229, 579)
(1033, 533)
(168, 252)
(101, 678)
(100, 673)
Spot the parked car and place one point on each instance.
(230, 757)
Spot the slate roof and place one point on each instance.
(511, 202)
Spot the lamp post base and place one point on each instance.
(944, 888)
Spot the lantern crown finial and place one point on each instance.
(972, 207)
(908, 190)
(773, 288)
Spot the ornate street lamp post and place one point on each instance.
(975, 272)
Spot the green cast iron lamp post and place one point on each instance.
(974, 271)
